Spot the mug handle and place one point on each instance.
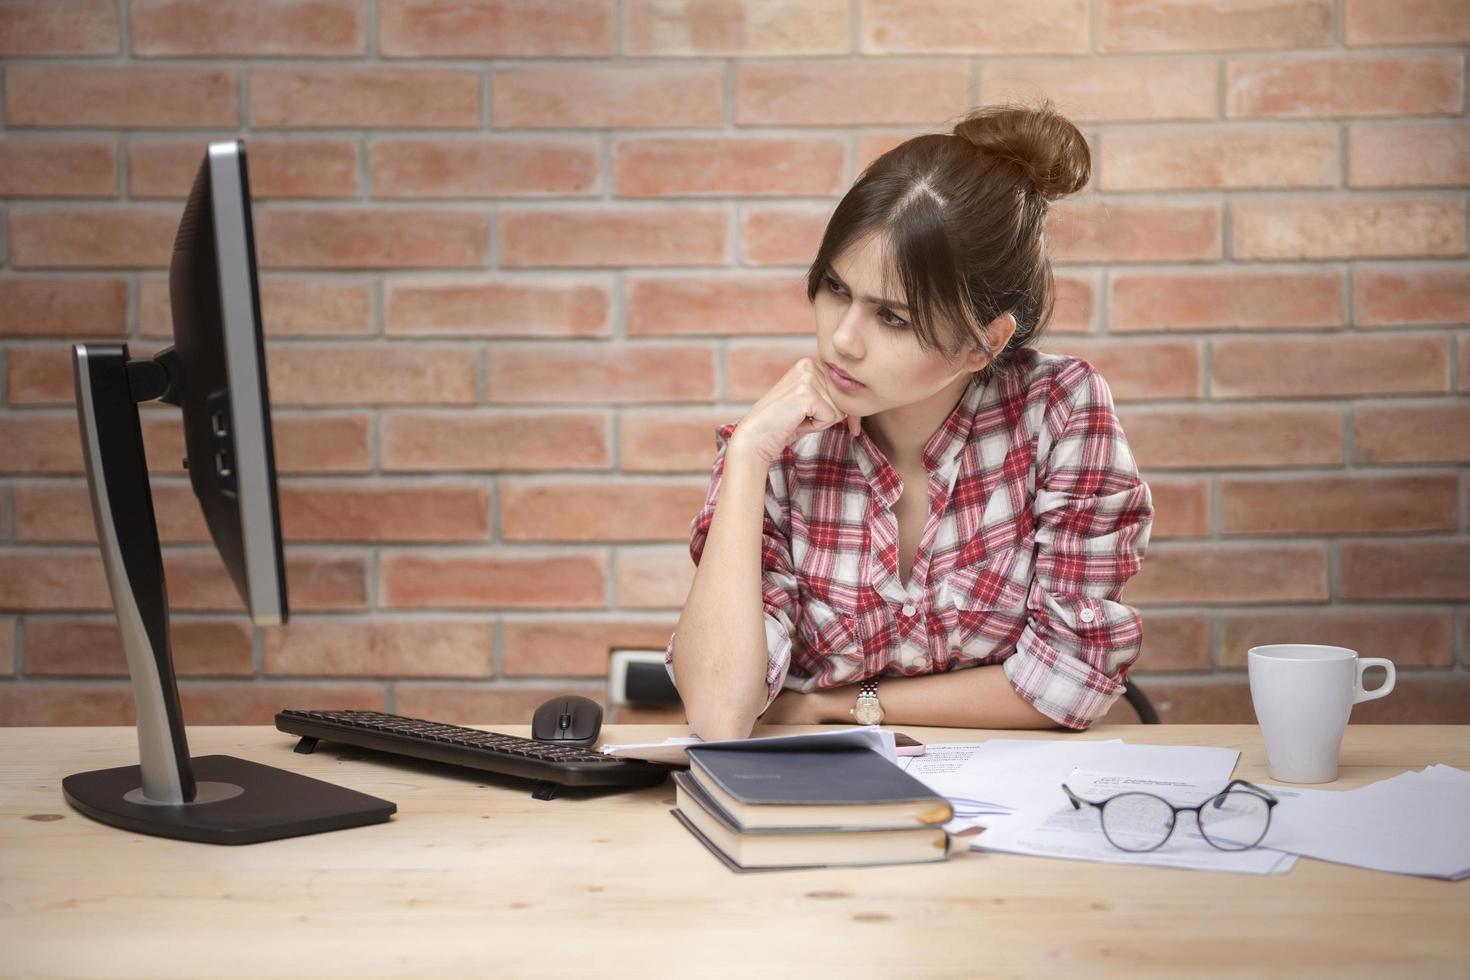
(1360, 695)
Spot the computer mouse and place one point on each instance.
(567, 720)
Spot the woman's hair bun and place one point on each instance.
(1048, 151)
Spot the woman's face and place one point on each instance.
(864, 337)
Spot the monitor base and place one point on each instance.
(271, 803)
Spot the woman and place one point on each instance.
(929, 523)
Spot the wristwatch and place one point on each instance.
(867, 711)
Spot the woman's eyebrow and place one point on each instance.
(891, 304)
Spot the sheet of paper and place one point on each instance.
(988, 781)
(1413, 823)
(1055, 829)
(673, 751)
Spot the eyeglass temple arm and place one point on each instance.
(1219, 799)
(1077, 801)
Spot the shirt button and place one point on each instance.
(908, 609)
(1086, 615)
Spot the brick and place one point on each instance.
(1340, 504)
(62, 512)
(519, 579)
(1206, 25)
(1139, 370)
(279, 168)
(370, 238)
(1402, 155)
(751, 369)
(93, 648)
(387, 513)
(122, 237)
(1327, 367)
(1174, 641)
(1110, 90)
(1464, 368)
(315, 580)
(547, 510)
(32, 579)
(504, 306)
(66, 704)
(1181, 507)
(704, 305)
(612, 97)
(1229, 299)
(47, 167)
(121, 98)
(1202, 701)
(822, 93)
(614, 237)
(1076, 308)
(380, 648)
(40, 376)
(495, 28)
(1410, 638)
(1353, 85)
(1430, 697)
(1387, 22)
(594, 372)
(63, 306)
(7, 645)
(682, 167)
(319, 442)
(734, 28)
(1361, 226)
(655, 577)
(291, 305)
(364, 98)
(971, 27)
(1175, 159)
(1432, 569)
(43, 28)
(466, 704)
(669, 440)
(475, 441)
(203, 28)
(256, 702)
(484, 167)
(40, 443)
(1216, 574)
(1393, 294)
(576, 648)
(1134, 232)
(391, 374)
(1221, 437)
(1429, 432)
(782, 235)
(1419, 698)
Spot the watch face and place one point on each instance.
(868, 712)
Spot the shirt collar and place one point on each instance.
(941, 452)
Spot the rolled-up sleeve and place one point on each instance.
(779, 599)
(1092, 514)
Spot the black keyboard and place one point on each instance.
(549, 764)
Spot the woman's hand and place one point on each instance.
(800, 403)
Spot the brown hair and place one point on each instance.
(963, 215)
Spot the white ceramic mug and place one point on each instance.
(1303, 694)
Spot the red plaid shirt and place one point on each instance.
(1037, 517)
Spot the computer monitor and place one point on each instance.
(215, 372)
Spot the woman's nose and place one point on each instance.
(848, 337)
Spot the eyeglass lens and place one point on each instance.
(1137, 821)
(1235, 820)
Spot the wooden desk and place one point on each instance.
(477, 878)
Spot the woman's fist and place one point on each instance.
(800, 403)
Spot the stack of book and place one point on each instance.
(814, 808)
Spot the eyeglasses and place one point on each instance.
(1135, 821)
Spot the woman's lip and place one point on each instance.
(842, 379)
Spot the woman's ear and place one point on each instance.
(998, 333)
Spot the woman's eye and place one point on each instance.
(835, 286)
(892, 319)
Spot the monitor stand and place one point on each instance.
(216, 799)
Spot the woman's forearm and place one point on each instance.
(720, 642)
(977, 697)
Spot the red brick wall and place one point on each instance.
(518, 249)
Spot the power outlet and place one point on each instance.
(639, 677)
